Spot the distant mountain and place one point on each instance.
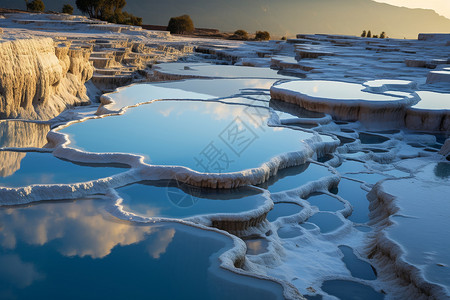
(285, 16)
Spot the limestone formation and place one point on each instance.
(39, 79)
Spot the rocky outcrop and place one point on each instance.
(39, 79)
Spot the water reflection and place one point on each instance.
(357, 267)
(187, 89)
(10, 162)
(256, 245)
(44, 168)
(325, 202)
(17, 273)
(335, 90)
(283, 210)
(203, 70)
(23, 134)
(294, 177)
(71, 250)
(432, 101)
(205, 136)
(289, 110)
(353, 193)
(327, 222)
(177, 200)
(19, 134)
(73, 228)
(369, 138)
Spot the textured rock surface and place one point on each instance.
(39, 79)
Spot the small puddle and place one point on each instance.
(287, 232)
(256, 246)
(283, 210)
(345, 140)
(357, 267)
(326, 221)
(177, 200)
(325, 202)
(294, 177)
(369, 138)
(352, 192)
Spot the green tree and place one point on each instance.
(262, 36)
(89, 7)
(180, 25)
(67, 9)
(369, 34)
(108, 10)
(383, 35)
(363, 34)
(35, 5)
(124, 18)
(240, 34)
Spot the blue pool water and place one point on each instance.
(294, 177)
(325, 202)
(176, 200)
(357, 267)
(22, 169)
(205, 136)
(282, 210)
(350, 290)
(327, 222)
(352, 192)
(69, 250)
(189, 89)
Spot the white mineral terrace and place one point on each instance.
(315, 167)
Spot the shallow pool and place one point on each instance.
(188, 89)
(357, 267)
(27, 168)
(202, 70)
(283, 210)
(176, 200)
(352, 192)
(325, 202)
(294, 177)
(46, 248)
(205, 136)
(326, 221)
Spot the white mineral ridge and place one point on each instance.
(40, 79)
(439, 76)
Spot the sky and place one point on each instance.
(442, 7)
(289, 17)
